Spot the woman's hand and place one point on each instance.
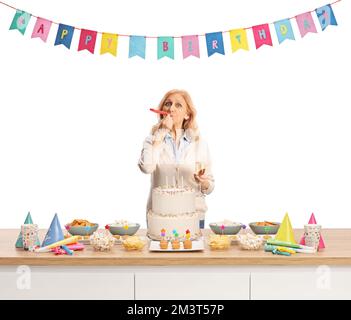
(167, 122)
(203, 180)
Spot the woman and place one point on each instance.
(174, 153)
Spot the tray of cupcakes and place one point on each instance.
(176, 243)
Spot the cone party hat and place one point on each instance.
(321, 241)
(285, 232)
(19, 242)
(54, 233)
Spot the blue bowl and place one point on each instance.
(82, 231)
(228, 230)
(117, 229)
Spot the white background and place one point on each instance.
(277, 119)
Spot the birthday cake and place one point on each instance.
(173, 209)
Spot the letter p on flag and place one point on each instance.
(87, 40)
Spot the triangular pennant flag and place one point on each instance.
(41, 29)
(54, 233)
(326, 16)
(165, 47)
(109, 43)
(238, 39)
(214, 42)
(262, 35)
(64, 35)
(137, 45)
(190, 45)
(87, 40)
(19, 242)
(321, 241)
(20, 21)
(305, 23)
(284, 30)
(285, 232)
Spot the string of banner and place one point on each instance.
(165, 45)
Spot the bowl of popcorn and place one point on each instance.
(226, 227)
(250, 241)
(81, 227)
(123, 228)
(102, 240)
(134, 243)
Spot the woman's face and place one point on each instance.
(176, 105)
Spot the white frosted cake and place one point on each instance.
(173, 208)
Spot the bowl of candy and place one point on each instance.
(123, 228)
(81, 227)
(226, 227)
(264, 227)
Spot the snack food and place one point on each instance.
(265, 224)
(102, 240)
(133, 243)
(219, 242)
(81, 223)
(249, 241)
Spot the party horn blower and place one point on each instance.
(159, 111)
(69, 240)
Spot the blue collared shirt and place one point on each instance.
(183, 145)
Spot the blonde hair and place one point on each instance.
(189, 125)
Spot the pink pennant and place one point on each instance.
(262, 35)
(190, 46)
(41, 29)
(87, 40)
(321, 241)
(305, 23)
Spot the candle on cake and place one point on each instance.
(163, 242)
(188, 244)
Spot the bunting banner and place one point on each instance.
(268, 34)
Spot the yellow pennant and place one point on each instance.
(109, 43)
(238, 39)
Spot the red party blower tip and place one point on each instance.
(159, 111)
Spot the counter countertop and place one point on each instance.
(337, 252)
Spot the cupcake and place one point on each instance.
(188, 244)
(164, 244)
(176, 244)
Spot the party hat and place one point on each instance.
(54, 233)
(285, 232)
(19, 242)
(321, 241)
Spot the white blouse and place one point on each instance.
(171, 165)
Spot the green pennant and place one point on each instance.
(20, 21)
(165, 47)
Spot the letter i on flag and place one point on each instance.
(238, 39)
(305, 23)
(64, 35)
(109, 43)
(165, 47)
(190, 46)
(137, 45)
(87, 40)
(214, 42)
(41, 29)
(262, 35)
(284, 30)
(20, 21)
(326, 16)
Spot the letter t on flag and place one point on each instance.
(87, 40)
(41, 29)
(190, 45)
